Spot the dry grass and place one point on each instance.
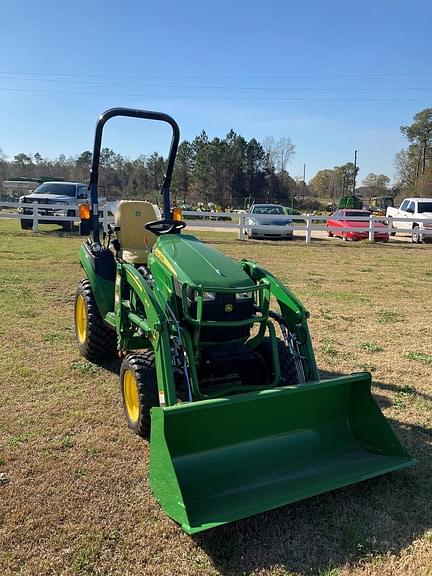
(74, 498)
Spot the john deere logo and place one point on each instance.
(229, 307)
(137, 213)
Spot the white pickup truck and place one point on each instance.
(414, 216)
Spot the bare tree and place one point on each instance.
(270, 149)
(279, 153)
(285, 150)
(377, 183)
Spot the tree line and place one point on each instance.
(233, 171)
(413, 166)
(230, 171)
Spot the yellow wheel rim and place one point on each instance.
(81, 319)
(131, 396)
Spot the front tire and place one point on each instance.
(96, 341)
(288, 370)
(139, 391)
(415, 235)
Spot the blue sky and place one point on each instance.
(333, 76)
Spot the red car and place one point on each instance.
(341, 224)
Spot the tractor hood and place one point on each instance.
(192, 262)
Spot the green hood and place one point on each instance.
(195, 263)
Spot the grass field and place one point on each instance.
(74, 498)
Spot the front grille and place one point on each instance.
(217, 310)
(38, 200)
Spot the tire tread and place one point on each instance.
(101, 340)
(142, 365)
(287, 365)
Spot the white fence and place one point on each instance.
(307, 224)
(39, 212)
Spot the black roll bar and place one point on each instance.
(94, 171)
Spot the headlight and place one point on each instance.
(251, 222)
(192, 295)
(244, 296)
(209, 296)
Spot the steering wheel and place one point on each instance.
(164, 226)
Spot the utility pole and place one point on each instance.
(304, 179)
(355, 171)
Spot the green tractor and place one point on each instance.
(352, 201)
(218, 368)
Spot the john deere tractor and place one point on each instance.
(218, 368)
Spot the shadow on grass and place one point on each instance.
(112, 365)
(382, 401)
(315, 536)
(406, 390)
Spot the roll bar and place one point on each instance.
(94, 171)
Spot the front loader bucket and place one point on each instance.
(215, 461)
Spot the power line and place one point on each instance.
(236, 76)
(212, 87)
(213, 97)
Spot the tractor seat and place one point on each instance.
(135, 241)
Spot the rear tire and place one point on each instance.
(139, 391)
(330, 234)
(96, 341)
(287, 365)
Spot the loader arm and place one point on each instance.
(292, 311)
(151, 329)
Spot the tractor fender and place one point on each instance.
(100, 270)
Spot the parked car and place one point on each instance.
(418, 210)
(52, 193)
(292, 211)
(268, 221)
(340, 224)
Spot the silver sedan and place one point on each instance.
(268, 221)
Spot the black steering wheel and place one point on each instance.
(164, 226)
